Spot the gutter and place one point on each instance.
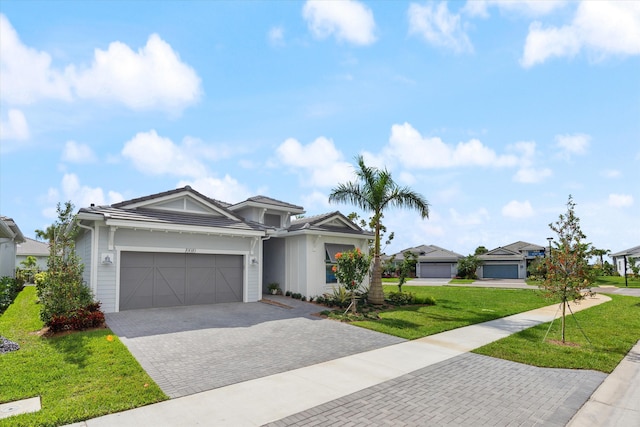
(93, 285)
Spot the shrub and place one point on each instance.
(467, 267)
(401, 298)
(287, 294)
(9, 289)
(82, 318)
(63, 299)
(424, 300)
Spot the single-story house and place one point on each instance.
(34, 248)
(10, 237)
(509, 262)
(621, 259)
(181, 247)
(433, 261)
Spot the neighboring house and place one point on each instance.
(10, 237)
(38, 250)
(433, 261)
(509, 262)
(621, 259)
(181, 248)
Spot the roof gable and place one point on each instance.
(269, 203)
(182, 200)
(333, 221)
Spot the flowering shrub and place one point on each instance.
(350, 270)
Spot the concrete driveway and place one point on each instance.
(188, 350)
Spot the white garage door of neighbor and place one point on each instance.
(150, 279)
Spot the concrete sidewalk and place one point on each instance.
(272, 398)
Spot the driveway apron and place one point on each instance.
(191, 349)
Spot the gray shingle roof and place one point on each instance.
(315, 223)
(32, 247)
(270, 201)
(168, 217)
(218, 203)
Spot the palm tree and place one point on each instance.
(375, 191)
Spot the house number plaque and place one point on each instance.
(190, 250)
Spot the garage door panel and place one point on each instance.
(169, 286)
(168, 279)
(228, 284)
(136, 287)
(504, 271)
(435, 270)
(201, 286)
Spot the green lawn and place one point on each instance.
(613, 329)
(461, 281)
(616, 281)
(78, 376)
(455, 307)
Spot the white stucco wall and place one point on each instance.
(306, 262)
(7, 257)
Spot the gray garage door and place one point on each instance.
(165, 279)
(506, 271)
(435, 270)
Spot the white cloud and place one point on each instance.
(226, 189)
(572, 144)
(438, 26)
(80, 195)
(474, 218)
(15, 127)
(528, 173)
(413, 150)
(602, 28)
(347, 20)
(517, 210)
(276, 36)
(525, 7)
(319, 163)
(77, 153)
(611, 173)
(620, 200)
(26, 73)
(316, 201)
(156, 155)
(153, 78)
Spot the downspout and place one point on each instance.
(94, 260)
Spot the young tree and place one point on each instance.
(375, 191)
(408, 264)
(63, 295)
(350, 269)
(568, 270)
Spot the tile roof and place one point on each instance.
(168, 217)
(32, 247)
(315, 223)
(270, 201)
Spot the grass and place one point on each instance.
(461, 281)
(455, 307)
(613, 329)
(78, 376)
(393, 279)
(616, 281)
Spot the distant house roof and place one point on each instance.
(10, 230)
(634, 251)
(501, 254)
(32, 247)
(433, 253)
(524, 246)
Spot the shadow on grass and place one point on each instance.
(74, 348)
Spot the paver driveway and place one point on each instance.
(192, 349)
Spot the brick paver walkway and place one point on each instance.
(467, 390)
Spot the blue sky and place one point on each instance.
(495, 111)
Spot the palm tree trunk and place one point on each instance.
(376, 295)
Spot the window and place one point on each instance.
(330, 251)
